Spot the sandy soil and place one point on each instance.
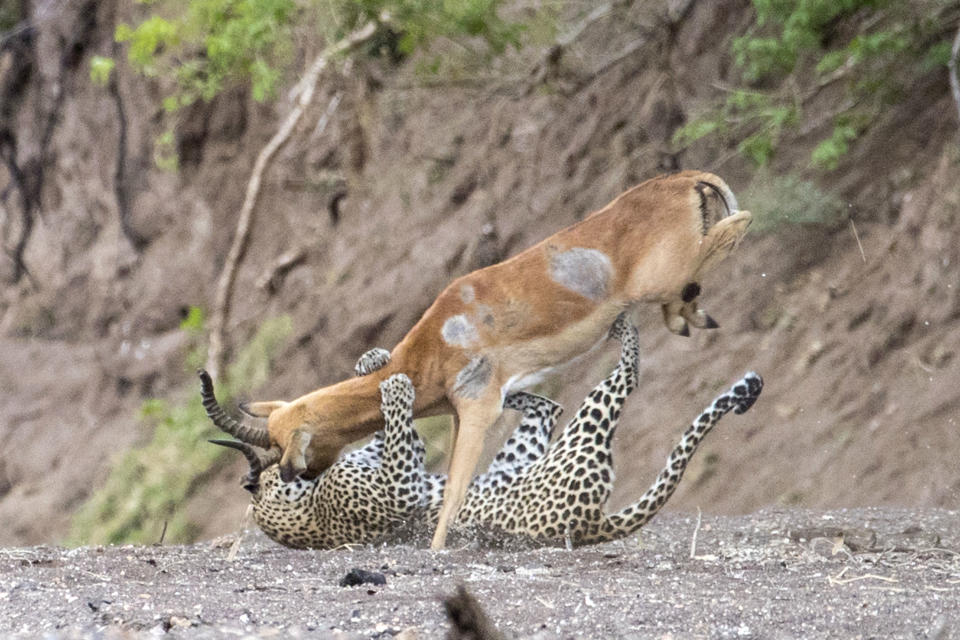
(864, 573)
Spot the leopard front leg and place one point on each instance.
(402, 474)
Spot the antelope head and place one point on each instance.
(722, 225)
(253, 443)
(292, 427)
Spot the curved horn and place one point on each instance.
(251, 435)
(258, 461)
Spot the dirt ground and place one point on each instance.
(856, 329)
(777, 573)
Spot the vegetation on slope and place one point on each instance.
(143, 496)
(871, 51)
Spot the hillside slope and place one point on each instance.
(856, 330)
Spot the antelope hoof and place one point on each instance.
(697, 317)
(674, 320)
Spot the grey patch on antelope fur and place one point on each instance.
(458, 330)
(473, 378)
(584, 271)
(467, 294)
(484, 314)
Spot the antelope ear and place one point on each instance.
(261, 409)
(732, 227)
(723, 238)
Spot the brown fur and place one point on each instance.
(520, 318)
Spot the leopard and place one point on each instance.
(534, 489)
(381, 491)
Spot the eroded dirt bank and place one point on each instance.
(864, 573)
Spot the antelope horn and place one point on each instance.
(258, 461)
(251, 435)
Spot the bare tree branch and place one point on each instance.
(304, 90)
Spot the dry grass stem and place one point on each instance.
(696, 531)
(856, 237)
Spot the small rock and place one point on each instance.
(182, 623)
(362, 576)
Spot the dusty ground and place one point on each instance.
(864, 573)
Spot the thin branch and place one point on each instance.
(856, 235)
(304, 91)
(241, 534)
(952, 65)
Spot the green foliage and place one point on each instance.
(872, 49)
(209, 45)
(798, 28)
(830, 151)
(165, 151)
(10, 15)
(200, 48)
(756, 118)
(776, 201)
(148, 486)
(417, 22)
(194, 325)
(100, 69)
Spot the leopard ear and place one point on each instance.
(261, 409)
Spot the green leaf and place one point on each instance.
(195, 321)
(758, 147)
(100, 69)
(828, 153)
(695, 130)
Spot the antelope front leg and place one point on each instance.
(475, 418)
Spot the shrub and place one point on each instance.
(873, 49)
(148, 485)
(776, 201)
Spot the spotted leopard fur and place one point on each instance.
(362, 498)
(531, 489)
(562, 495)
(382, 489)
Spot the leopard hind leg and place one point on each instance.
(739, 398)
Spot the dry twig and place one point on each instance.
(241, 534)
(696, 530)
(857, 237)
(839, 579)
(952, 66)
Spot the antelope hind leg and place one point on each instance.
(475, 418)
(678, 316)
